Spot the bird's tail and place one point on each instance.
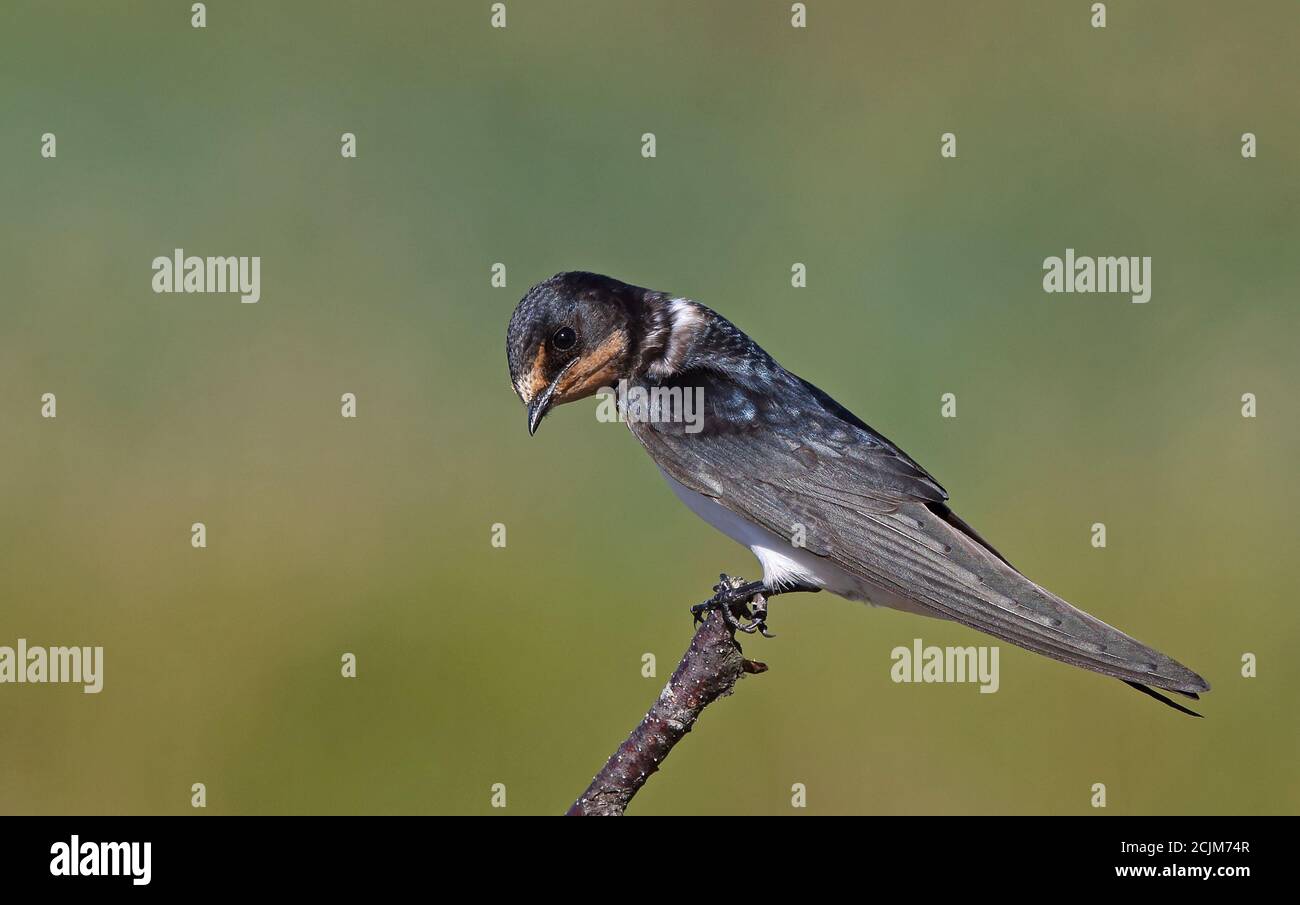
(978, 587)
(1164, 700)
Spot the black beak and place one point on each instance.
(537, 410)
(541, 404)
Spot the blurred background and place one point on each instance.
(522, 665)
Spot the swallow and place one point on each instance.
(824, 501)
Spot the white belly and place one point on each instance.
(785, 564)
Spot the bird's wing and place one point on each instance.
(788, 455)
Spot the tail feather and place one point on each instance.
(1164, 700)
(968, 581)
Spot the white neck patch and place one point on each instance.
(684, 319)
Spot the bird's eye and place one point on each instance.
(564, 338)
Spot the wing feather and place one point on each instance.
(788, 454)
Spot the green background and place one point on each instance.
(522, 665)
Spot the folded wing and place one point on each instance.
(790, 455)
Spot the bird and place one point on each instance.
(824, 501)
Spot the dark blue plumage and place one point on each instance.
(824, 500)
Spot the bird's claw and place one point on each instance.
(758, 616)
(736, 600)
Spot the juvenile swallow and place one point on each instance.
(774, 460)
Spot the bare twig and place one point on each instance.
(709, 670)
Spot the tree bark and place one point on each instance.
(709, 670)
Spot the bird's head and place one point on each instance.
(570, 336)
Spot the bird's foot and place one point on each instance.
(758, 616)
(737, 599)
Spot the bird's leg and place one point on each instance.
(734, 597)
(730, 597)
(758, 614)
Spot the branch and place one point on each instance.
(709, 670)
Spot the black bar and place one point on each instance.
(212, 854)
